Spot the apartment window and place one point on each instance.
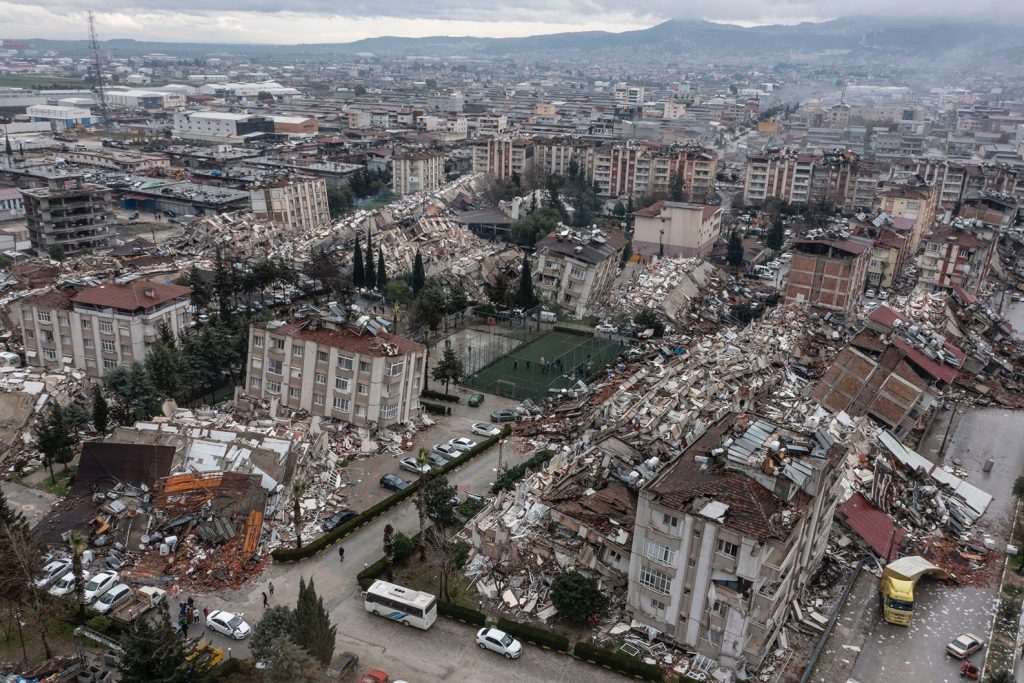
(658, 605)
(44, 316)
(297, 351)
(27, 315)
(123, 329)
(576, 272)
(30, 334)
(727, 548)
(126, 349)
(931, 247)
(340, 404)
(396, 368)
(65, 339)
(345, 362)
(364, 366)
(108, 345)
(719, 608)
(47, 336)
(274, 366)
(106, 326)
(362, 389)
(318, 399)
(658, 552)
(255, 383)
(320, 378)
(278, 344)
(257, 342)
(360, 411)
(294, 392)
(63, 320)
(86, 324)
(342, 384)
(388, 412)
(671, 521)
(714, 635)
(655, 580)
(273, 387)
(109, 363)
(321, 356)
(88, 343)
(50, 354)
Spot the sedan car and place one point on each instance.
(436, 459)
(498, 641)
(462, 444)
(394, 482)
(51, 572)
(484, 429)
(965, 645)
(66, 584)
(229, 624)
(606, 328)
(98, 585)
(410, 465)
(339, 518)
(475, 400)
(870, 293)
(504, 416)
(446, 451)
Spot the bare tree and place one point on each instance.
(422, 461)
(297, 491)
(21, 563)
(451, 556)
(76, 542)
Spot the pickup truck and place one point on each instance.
(145, 599)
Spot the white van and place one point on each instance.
(114, 598)
(764, 272)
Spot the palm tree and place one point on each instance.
(76, 541)
(297, 491)
(422, 460)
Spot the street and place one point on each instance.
(893, 653)
(446, 652)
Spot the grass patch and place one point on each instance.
(41, 82)
(61, 482)
(424, 576)
(1001, 653)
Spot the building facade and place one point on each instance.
(676, 229)
(97, 329)
(829, 274)
(60, 118)
(12, 204)
(503, 156)
(68, 213)
(329, 367)
(417, 171)
(295, 204)
(957, 255)
(576, 268)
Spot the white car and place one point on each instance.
(98, 585)
(445, 451)
(66, 584)
(51, 572)
(462, 444)
(410, 465)
(485, 429)
(883, 295)
(498, 641)
(229, 624)
(606, 328)
(870, 293)
(871, 305)
(114, 599)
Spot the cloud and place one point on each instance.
(308, 21)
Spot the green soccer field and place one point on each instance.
(549, 362)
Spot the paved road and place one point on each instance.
(445, 652)
(894, 653)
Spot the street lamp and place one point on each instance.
(501, 452)
(21, 635)
(661, 243)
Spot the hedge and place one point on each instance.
(374, 511)
(537, 636)
(436, 409)
(466, 614)
(440, 396)
(513, 474)
(618, 661)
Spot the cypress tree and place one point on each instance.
(419, 275)
(100, 410)
(525, 296)
(382, 276)
(358, 274)
(370, 277)
(313, 629)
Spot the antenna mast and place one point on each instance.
(94, 47)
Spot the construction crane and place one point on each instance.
(94, 46)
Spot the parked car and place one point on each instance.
(870, 293)
(475, 400)
(504, 416)
(113, 599)
(341, 666)
(436, 460)
(229, 624)
(462, 444)
(410, 465)
(485, 429)
(394, 482)
(339, 518)
(606, 328)
(498, 641)
(965, 645)
(66, 584)
(883, 295)
(98, 585)
(51, 572)
(446, 451)
(374, 676)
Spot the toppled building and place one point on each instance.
(575, 268)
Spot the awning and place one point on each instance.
(874, 526)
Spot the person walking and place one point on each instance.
(206, 613)
(341, 553)
(265, 602)
(270, 588)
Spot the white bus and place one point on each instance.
(411, 608)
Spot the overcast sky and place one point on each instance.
(318, 21)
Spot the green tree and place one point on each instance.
(457, 299)
(734, 250)
(169, 372)
(322, 267)
(676, 187)
(524, 295)
(532, 227)
(620, 209)
(389, 551)
(359, 90)
(133, 393)
(358, 272)
(313, 628)
(77, 545)
(382, 276)
(577, 597)
(776, 236)
(276, 621)
(438, 499)
(1000, 676)
(428, 310)
(340, 201)
(201, 292)
(448, 369)
(297, 491)
(423, 461)
(153, 652)
(56, 252)
(419, 275)
(627, 252)
(648, 319)
(225, 286)
(398, 292)
(100, 410)
(370, 278)
(56, 438)
(287, 662)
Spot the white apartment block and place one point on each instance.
(728, 535)
(296, 205)
(334, 369)
(676, 229)
(418, 171)
(97, 329)
(503, 156)
(575, 269)
(783, 174)
(629, 94)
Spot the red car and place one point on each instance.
(374, 676)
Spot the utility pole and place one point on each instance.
(94, 47)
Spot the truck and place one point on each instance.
(145, 599)
(899, 578)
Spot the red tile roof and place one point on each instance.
(873, 525)
(132, 296)
(940, 371)
(347, 340)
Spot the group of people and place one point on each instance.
(188, 614)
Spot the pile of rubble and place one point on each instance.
(236, 234)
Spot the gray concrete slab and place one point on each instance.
(33, 503)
